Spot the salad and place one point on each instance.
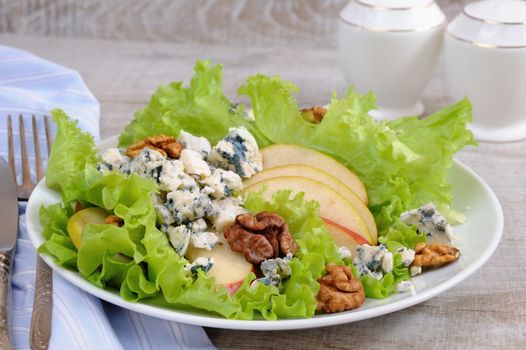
(276, 212)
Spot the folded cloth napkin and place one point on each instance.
(31, 85)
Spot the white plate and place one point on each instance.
(477, 239)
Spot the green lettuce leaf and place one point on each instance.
(54, 220)
(201, 109)
(392, 158)
(383, 288)
(72, 150)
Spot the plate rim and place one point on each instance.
(283, 324)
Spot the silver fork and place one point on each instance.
(43, 301)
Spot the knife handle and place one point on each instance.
(5, 300)
(42, 307)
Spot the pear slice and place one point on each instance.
(332, 205)
(230, 268)
(77, 221)
(323, 177)
(343, 236)
(282, 154)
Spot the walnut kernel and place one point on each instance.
(166, 145)
(260, 237)
(339, 290)
(434, 255)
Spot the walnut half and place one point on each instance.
(166, 145)
(434, 255)
(339, 290)
(260, 237)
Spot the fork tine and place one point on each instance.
(48, 134)
(36, 142)
(26, 176)
(11, 150)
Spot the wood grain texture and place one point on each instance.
(487, 311)
(310, 23)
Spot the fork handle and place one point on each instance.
(5, 300)
(42, 307)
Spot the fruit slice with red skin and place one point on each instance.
(332, 205)
(282, 154)
(325, 178)
(343, 236)
(230, 268)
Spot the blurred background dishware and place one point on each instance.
(391, 47)
(485, 59)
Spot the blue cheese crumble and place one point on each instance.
(222, 183)
(198, 225)
(237, 152)
(345, 253)
(113, 159)
(194, 143)
(408, 255)
(406, 287)
(274, 271)
(205, 240)
(201, 263)
(374, 261)
(415, 270)
(164, 215)
(187, 206)
(429, 221)
(179, 237)
(194, 164)
(225, 212)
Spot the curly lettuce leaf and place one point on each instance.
(201, 109)
(392, 158)
(54, 220)
(385, 287)
(72, 150)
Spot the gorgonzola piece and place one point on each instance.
(415, 270)
(171, 175)
(164, 215)
(194, 164)
(113, 159)
(237, 152)
(408, 255)
(201, 263)
(198, 225)
(179, 237)
(274, 271)
(205, 240)
(225, 212)
(188, 206)
(194, 143)
(373, 260)
(222, 183)
(406, 287)
(429, 221)
(345, 253)
(147, 164)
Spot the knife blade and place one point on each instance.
(8, 235)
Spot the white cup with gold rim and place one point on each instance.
(485, 59)
(390, 47)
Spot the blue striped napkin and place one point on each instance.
(31, 85)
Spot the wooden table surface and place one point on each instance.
(485, 311)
